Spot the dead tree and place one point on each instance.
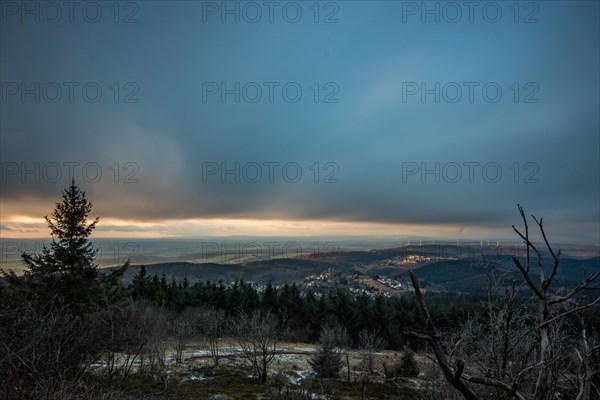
(183, 328)
(550, 311)
(213, 325)
(257, 337)
(454, 374)
(369, 343)
(548, 305)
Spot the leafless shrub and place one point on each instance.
(184, 328)
(257, 336)
(212, 327)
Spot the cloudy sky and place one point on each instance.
(404, 119)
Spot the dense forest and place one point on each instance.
(304, 314)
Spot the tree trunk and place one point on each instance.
(542, 385)
(348, 365)
(263, 375)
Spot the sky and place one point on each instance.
(403, 119)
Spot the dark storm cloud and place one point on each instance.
(156, 157)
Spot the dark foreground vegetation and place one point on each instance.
(68, 330)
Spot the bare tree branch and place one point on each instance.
(564, 314)
(527, 278)
(433, 339)
(582, 285)
(512, 390)
(555, 256)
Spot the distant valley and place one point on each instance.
(443, 268)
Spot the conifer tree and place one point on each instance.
(407, 366)
(141, 284)
(66, 272)
(327, 361)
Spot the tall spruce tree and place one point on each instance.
(66, 272)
